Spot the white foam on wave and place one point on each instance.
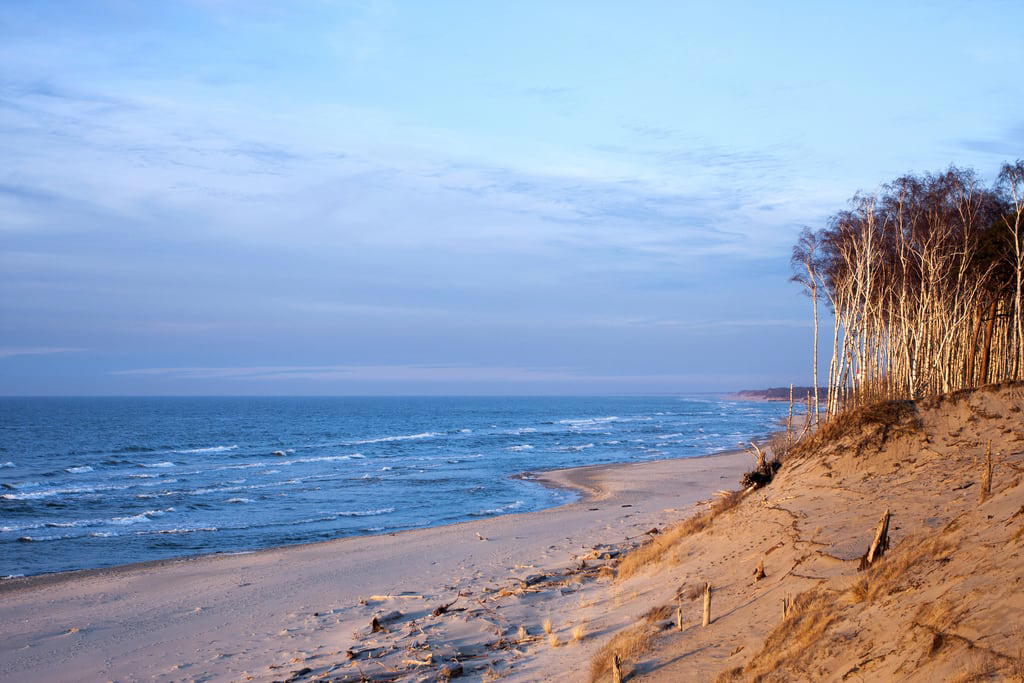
(166, 463)
(239, 500)
(47, 493)
(578, 448)
(141, 517)
(209, 449)
(407, 437)
(366, 513)
(498, 510)
(522, 447)
(7, 464)
(589, 420)
(321, 458)
(82, 469)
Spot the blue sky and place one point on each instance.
(327, 197)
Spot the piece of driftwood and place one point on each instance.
(441, 609)
(453, 670)
(395, 597)
(378, 621)
(370, 652)
(532, 579)
(616, 669)
(679, 617)
(707, 605)
(759, 571)
(880, 543)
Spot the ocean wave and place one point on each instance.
(208, 449)
(7, 464)
(47, 493)
(578, 448)
(166, 463)
(141, 517)
(522, 447)
(589, 420)
(366, 513)
(77, 523)
(81, 469)
(498, 510)
(321, 458)
(408, 437)
(239, 500)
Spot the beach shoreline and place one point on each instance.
(69, 625)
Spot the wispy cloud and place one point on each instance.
(9, 352)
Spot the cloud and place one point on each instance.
(414, 374)
(9, 352)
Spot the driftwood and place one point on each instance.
(395, 597)
(759, 571)
(370, 652)
(441, 609)
(532, 579)
(707, 605)
(453, 670)
(378, 621)
(880, 544)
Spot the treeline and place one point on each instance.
(924, 281)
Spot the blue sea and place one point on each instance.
(93, 482)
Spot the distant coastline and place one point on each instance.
(776, 394)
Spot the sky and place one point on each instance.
(244, 197)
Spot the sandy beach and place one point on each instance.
(305, 611)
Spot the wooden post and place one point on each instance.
(616, 670)
(707, 604)
(986, 477)
(789, 425)
(679, 617)
(880, 544)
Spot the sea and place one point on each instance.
(94, 482)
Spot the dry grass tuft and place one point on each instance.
(547, 626)
(792, 643)
(522, 635)
(652, 552)
(629, 644)
(579, 633)
(656, 614)
(553, 640)
(886, 577)
(809, 618)
(870, 426)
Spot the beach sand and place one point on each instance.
(305, 611)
